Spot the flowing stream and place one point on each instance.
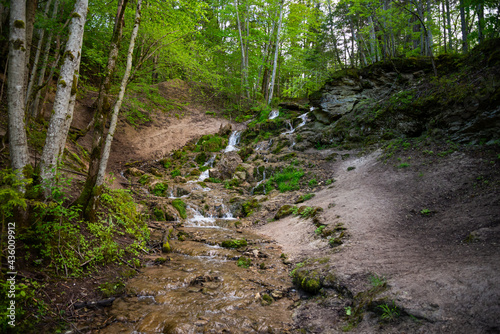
(198, 287)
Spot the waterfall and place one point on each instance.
(303, 117)
(234, 140)
(198, 220)
(274, 113)
(204, 175)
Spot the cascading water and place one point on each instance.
(274, 113)
(234, 140)
(303, 117)
(206, 174)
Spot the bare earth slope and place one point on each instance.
(432, 272)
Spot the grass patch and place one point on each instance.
(180, 206)
(286, 180)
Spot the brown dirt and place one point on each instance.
(435, 270)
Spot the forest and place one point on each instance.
(246, 57)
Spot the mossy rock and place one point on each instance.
(134, 171)
(234, 243)
(307, 280)
(159, 214)
(201, 158)
(180, 206)
(166, 248)
(245, 152)
(249, 206)
(244, 262)
(285, 210)
(195, 172)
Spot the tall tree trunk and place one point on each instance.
(444, 25)
(480, 22)
(264, 58)
(103, 108)
(373, 41)
(32, 79)
(463, 22)
(116, 109)
(18, 144)
(271, 88)
(429, 22)
(41, 77)
(448, 19)
(243, 67)
(31, 6)
(66, 88)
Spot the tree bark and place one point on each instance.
(41, 77)
(66, 89)
(480, 22)
(448, 19)
(243, 67)
(41, 34)
(116, 109)
(273, 77)
(31, 6)
(463, 22)
(103, 108)
(18, 144)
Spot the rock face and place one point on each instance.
(402, 99)
(226, 166)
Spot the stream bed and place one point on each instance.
(199, 287)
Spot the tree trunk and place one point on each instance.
(429, 26)
(448, 19)
(66, 88)
(464, 27)
(444, 26)
(103, 108)
(41, 77)
(243, 68)
(41, 33)
(480, 22)
(373, 40)
(116, 109)
(271, 88)
(31, 6)
(18, 144)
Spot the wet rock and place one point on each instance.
(226, 166)
(277, 294)
(292, 106)
(240, 175)
(135, 172)
(225, 130)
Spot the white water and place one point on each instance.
(198, 220)
(303, 117)
(274, 113)
(234, 140)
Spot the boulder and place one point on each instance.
(225, 129)
(226, 166)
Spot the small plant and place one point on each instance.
(160, 189)
(313, 183)
(425, 212)
(320, 229)
(350, 168)
(329, 181)
(175, 172)
(389, 312)
(404, 165)
(303, 198)
(376, 280)
(244, 262)
(266, 299)
(348, 310)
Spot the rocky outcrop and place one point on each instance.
(402, 99)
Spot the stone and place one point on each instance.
(226, 166)
(135, 172)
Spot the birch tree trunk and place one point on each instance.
(116, 109)
(66, 89)
(480, 22)
(41, 77)
(101, 114)
(31, 6)
(18, 144)
(41, 34)
(275, 65)
(243, 68)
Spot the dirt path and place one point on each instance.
(432, 273)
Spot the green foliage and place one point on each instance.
(213, 180)
(230, 184)
(313, 183)
(159, 214)
(425, 212)
(180, 206)
(376, 280)
(175, 172)
(29, 300)
(404, 165)
(211, 143)
(244, 262)
(145, 178)
(234, 243)
(286, 180)
(305, 197)
(389, 312)
(11, 195)
(160, 189)
(319, 230)
(249, 206)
